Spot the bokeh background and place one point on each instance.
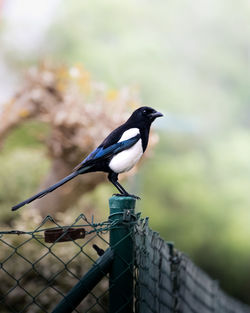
(188, 59)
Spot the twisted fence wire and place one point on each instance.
(35, 275)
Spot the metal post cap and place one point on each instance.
(121, 203)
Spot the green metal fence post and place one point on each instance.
(121, 242)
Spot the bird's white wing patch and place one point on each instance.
(130, 133)
(125, 160)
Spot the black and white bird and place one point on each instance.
(118, 153)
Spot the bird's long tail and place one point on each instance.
(51, 188)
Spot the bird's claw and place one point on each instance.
(126, 195)
(137, 198)
(134, 196)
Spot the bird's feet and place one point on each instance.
(126, 195)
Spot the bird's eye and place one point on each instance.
(144, 112)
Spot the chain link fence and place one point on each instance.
(168, 281)
(46, 269)
(35, 275)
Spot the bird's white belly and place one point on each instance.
(125, 160)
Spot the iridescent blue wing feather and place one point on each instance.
(101, 153)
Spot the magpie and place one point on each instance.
(118, 153)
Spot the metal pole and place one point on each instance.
(86, 284)
(121, 242)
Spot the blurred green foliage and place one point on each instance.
(190, 60)
(24, 163)
(201, 202)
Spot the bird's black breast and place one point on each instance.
(144, 132)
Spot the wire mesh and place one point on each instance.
(154, 284)
(168, 281)
(36, 275)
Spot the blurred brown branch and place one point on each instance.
(80, 112)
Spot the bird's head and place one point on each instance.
(145, 115)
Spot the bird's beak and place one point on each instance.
(155, 115)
